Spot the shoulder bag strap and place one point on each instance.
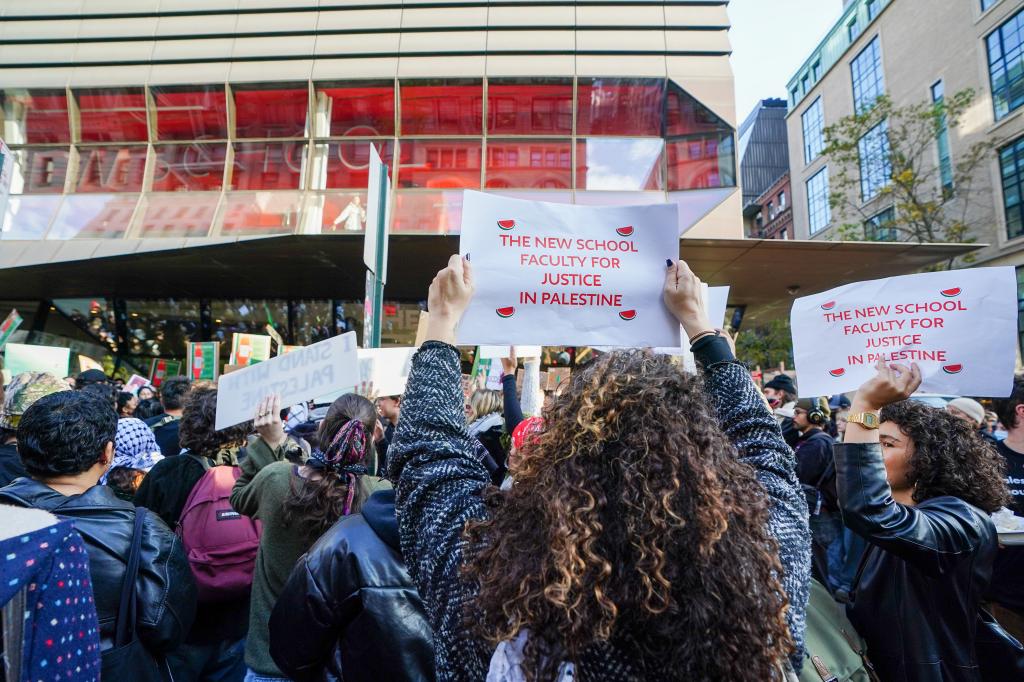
(125, 628)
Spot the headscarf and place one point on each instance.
(135, 446)
(346, 455)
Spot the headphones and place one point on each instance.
(816, 415)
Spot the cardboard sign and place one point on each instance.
(959, 326)
(556, 376)
(278, 339)
(9, 326)
(203, 360)
(20, 357)
(248, 349)
(387, 368)
(301, 375)
(160, 369)
(135, 382)
(85, 362)
(486, 352)
(566, 275)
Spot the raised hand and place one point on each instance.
(891, 384)
(268, 421)
(449, 296)
(509, 364)
(684, 297)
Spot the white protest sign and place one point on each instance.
(559, 274)
(300, 375)
(959, 326)
(716, 300)
(136, 382)
(387, 368)
(505, 351)
(375, 240)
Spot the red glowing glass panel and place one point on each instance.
(365, 109)
(112, 115)
(529, 164)
(343, 212)
(529, 107)
(442, 107)
(684, 115)
(447, 164)
(427, 213)
(191, 113)
(35, 116)
(268, 165)
(40, 171)
(191, 167)
(348, 163)
(270, 111)
(262, 213)
(620, 106)
(166, 215)
(111, 169)
(701, 163)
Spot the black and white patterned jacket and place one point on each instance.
(439, 485)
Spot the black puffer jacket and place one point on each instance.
(166, 590)
(917, 602)
(351, 606)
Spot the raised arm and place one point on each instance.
(750, 426)
(268, 448)
(438, 481)
(513, 410)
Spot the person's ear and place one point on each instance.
(107, 457)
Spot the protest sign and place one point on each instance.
(248, 349)
(298, 376)
(716, 300)
(135, 382)
(20, 357)
(560, 274)
(160, 369)
(486, 352)
(959, 326)
(85, 362)
(387, 368)
(556, 376)
(278, 339)
(9, 326)
(203, 360)
(285, 349)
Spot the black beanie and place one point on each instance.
(782, 382)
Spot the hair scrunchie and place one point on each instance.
(344, 455)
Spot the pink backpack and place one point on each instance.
(221, 544)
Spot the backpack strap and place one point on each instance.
(203, 461)
(126, 611)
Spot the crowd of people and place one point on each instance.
(641, 523)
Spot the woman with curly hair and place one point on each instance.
(656, 529)
(918, 484)
(297, 503)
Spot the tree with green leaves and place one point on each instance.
(925, 209)
(767, 345)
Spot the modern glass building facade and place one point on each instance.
(159, 145)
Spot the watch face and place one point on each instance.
(871, 419)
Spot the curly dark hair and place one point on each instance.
(316, 503)
(632, 521)
(65, 433)
(174, 392)
(197, 433)
(949, 458)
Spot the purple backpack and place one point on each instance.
(220, 543)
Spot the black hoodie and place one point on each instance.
(351, 606)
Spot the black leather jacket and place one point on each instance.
(166, 590)
(923, 575)
(351, 606)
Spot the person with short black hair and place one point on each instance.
(173, 392)
(105, 392)
(1007, 589)
(66, 442)
(126, 404)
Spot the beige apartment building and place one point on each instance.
(917, 51)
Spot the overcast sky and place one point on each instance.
(770, 40)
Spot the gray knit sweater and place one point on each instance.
(439, 487)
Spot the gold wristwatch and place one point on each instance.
(869, 420)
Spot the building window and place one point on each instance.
(818, 210)
(816, 71)
(875, 163)
(853, 29)
(771, 210)
(942, 141)
(986, 4)
(1011, 161)
(813, 126)
(880, 228)
(782, 201)
(874, 7)
(1006, 65)
(759, 220)
(794, 96)
(868, 79)
(805, 83)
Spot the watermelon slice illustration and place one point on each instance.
(950, 293)
(837, 372)
(506, 224)
(628, 315)
(506, 312)
(828, 306)
(952, 369)
(625, 231)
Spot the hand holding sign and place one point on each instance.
(684, 296)
(267, 421)
(892, 384)
(449, 296)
